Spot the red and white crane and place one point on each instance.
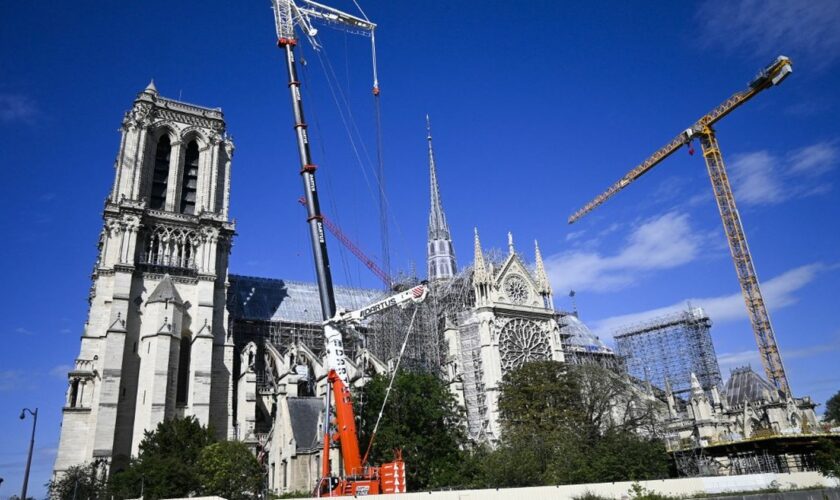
(357, 478)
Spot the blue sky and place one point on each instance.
(536, 107)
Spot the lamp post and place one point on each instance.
(31, 446)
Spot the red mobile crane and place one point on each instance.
(357, 478)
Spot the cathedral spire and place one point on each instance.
(438, 228)
(151, 88)
(696, 388)
(441, 254)
(478, 260)
(669, 396)
(482, 279)
(542, 276)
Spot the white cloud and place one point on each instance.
(731, 360)
(60, 371)
(816, 159)
(574, 235)
(778, 292)
(15, 108)
(9, 380)
(761, 178)
(664, 242)
(765, 27)
(755, 179)
(23, 331)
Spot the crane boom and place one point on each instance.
(358, 479)
(736, 237)
(770, 76)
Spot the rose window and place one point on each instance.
(516, 290)
(521, 341)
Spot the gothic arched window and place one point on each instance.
(160, 174)
(189, 181)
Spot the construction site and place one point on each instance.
(497, 313)
(666, 351)
(174, 332)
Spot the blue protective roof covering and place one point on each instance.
(578, 335)
(292, 301)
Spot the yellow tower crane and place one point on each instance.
(702, 129)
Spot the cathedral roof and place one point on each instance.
(579, 336)
(304, 414)
(165, 292)
(745, 385)
(293, 301)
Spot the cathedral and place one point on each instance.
(156, 344)
(171, 333)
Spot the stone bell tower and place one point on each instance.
(155, 344)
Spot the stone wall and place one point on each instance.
(676, 487)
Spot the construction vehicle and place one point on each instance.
(702, 130)
(357, 478)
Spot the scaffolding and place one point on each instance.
(777, 454)
(670, 348)
(286, 313)
(582, 347)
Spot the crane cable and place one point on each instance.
(314, 114)
(390, 385)
(349, 122)
(347, 118)
(380, 175)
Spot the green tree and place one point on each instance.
(832, 409)
(166, 466)
(228, 469)
(423, 420)
(88, 480)
(827, 457)
(571, 424)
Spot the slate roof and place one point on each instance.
(746, 385)
(292, 301)
(165, 291)
(304, 414)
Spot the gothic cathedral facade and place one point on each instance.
(155, 344)
(510, 319)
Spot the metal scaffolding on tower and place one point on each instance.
(669, 349)
(703, 131)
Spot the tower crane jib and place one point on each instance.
(703, 130)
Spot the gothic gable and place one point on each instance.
(514, 284)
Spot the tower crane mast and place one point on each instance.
(703, 130)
